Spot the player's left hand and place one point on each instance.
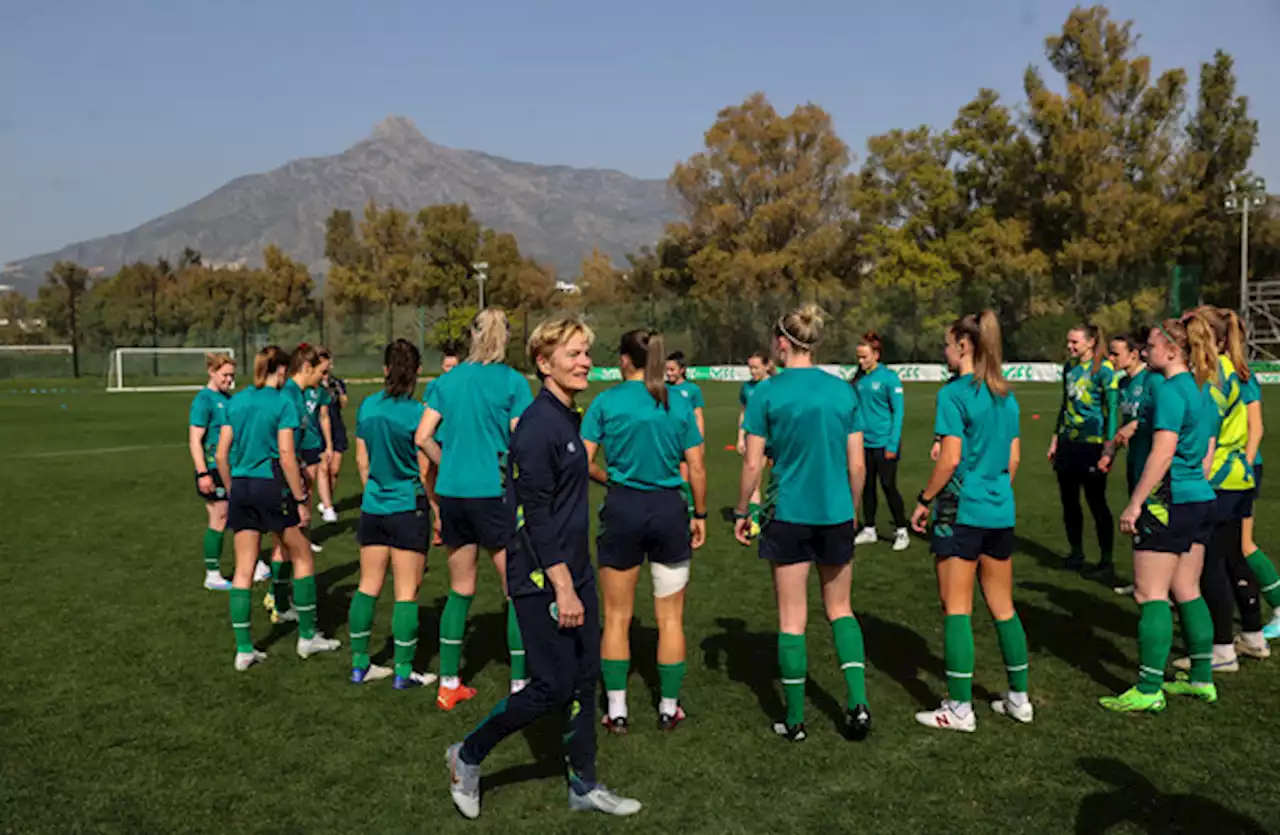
(890, 456)
(742, 530)
(1129, 519)
(697, 533)
(920, 519)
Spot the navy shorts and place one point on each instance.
(406, 531)
(340, 443)
(1189, 524)
(635, 524)
(488, 523)
(968, 542)
(1077, 458)
(264, 505)
(311, 457)
(1234, 504)
(1257, 480)
(786, 543)
(219, 493)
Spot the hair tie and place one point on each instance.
(798, 343)
(1166, 333)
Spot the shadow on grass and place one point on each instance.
(903, 655)
(1073, 639)
(544, 739)
(326, 531)
(485, 641)
(1107, 615)
(751, 658)
(348, 503)
(1047, 557)
(644, 658)
(1133, 799)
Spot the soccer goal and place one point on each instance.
(159, 369)
(35, 361)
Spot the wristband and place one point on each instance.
(202, 473)
(923, 501)
(302, 500)
(737, 514)
(701, 517)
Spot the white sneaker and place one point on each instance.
(464, 783)
(317, 644)
(1005, 706)
(316, 549)
(213, 581)
(866, 536)
(945, 718)
(902, 540)
(289, 615)
(600, 799)
(245, 660)
(328, 514)
(1125, 590)
(1222, 663)
(1255, 647)
(262, 572)
(1271, 630)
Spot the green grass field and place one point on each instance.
(120, 711)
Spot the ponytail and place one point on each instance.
(1099, 336)
(1235, 344)
(490, 331)
(402, 360)
(1195, 337)
(268, 361)
(305, 355)
(983, 333)
(645, 350)
(801, 327)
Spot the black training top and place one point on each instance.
(547, 485)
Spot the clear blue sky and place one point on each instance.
(115, 111)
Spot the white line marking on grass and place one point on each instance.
(108, 450)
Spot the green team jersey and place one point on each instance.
(1188, 410)
(387, 425)
(1231, 472)
(256, 416)
(744, 393)
(643, 441)
(806, 417)
(689, 392)
(1087, 398)
(880, 398)
(1251, 392)
(476, 403)
(209, 412)
(1138, 403)
(312, 399)
(987, 426)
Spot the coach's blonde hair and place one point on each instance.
(983, 333)
(1194, 337)
(214, 361)
(553, 333)
(490, 331)
(801, 327)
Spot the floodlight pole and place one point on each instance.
(482, 273)
(1240, 201)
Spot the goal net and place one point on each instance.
(31, 362)
(159, 369)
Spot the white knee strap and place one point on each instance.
(669, 579)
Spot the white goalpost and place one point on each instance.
(18, 361)
(159, 369)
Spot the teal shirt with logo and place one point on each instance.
(1138, 403)
(1251, 392)
(689, 392)
(476, 403)
(986, 425)
(312, 399)
(209, 412)
(387, 425)
(1084, 416)
(744, 393)
(806, 417)
(256, 416)
(880, 397)
(1191, 412)
(643, 441)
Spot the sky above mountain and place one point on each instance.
(114, 113)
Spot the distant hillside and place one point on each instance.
(557, 213)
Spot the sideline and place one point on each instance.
(109, 450)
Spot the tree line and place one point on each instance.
(1083, 200)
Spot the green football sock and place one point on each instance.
(281, 585)
(213, 549)
(753, 510)
(304, 600)
(957, 651)
(793, 663)
(404, 630)
(1197, 631)
(515, 645)
(360, 621)
(614, 672)
(1155, 637)
(670, 679)
(1268, 580)
(848, 639)
(453, 625)
(242, 619)
(1013, 646)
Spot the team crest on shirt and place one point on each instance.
(685, 395)
(875, 386)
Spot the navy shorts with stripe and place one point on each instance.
(409, 530)
(1189, 524)
(311, 457)
(635, 524)
(1234, 504)
(787, 543)
(968, 542)
(264, 505)
(488, 523)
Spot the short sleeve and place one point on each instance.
(201, 414)
(692, 437)
(1171, 410)
(949, 421)
(1250, 392)
(520, 395)
(434, 397)
(289, 415)
(853, 413)
(340, 385)
(742, 395)
(1016, 416)
(593, 421)
(325, 399)
(360, 420)
(756, 420)
(1111, 380)
(695, 398)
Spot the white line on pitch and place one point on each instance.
(109, 450)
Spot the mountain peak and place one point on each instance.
(397, 128)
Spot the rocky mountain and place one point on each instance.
(557, 213)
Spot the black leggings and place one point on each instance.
(1227, 582)
(886, 471)
(1094, 484)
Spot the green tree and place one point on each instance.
(59, 299)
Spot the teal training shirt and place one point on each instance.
(986, 425)
(1251, 392)
(209, 412)
(387, 425)
(312, 399)
(643, 441)
(256, 416)
(297, 398)
(1138, 403)
(744, 393)
(806, 417)
(1085, 416)
(476, 403)
(689, 392)
(1191, 412)
(880, 398)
